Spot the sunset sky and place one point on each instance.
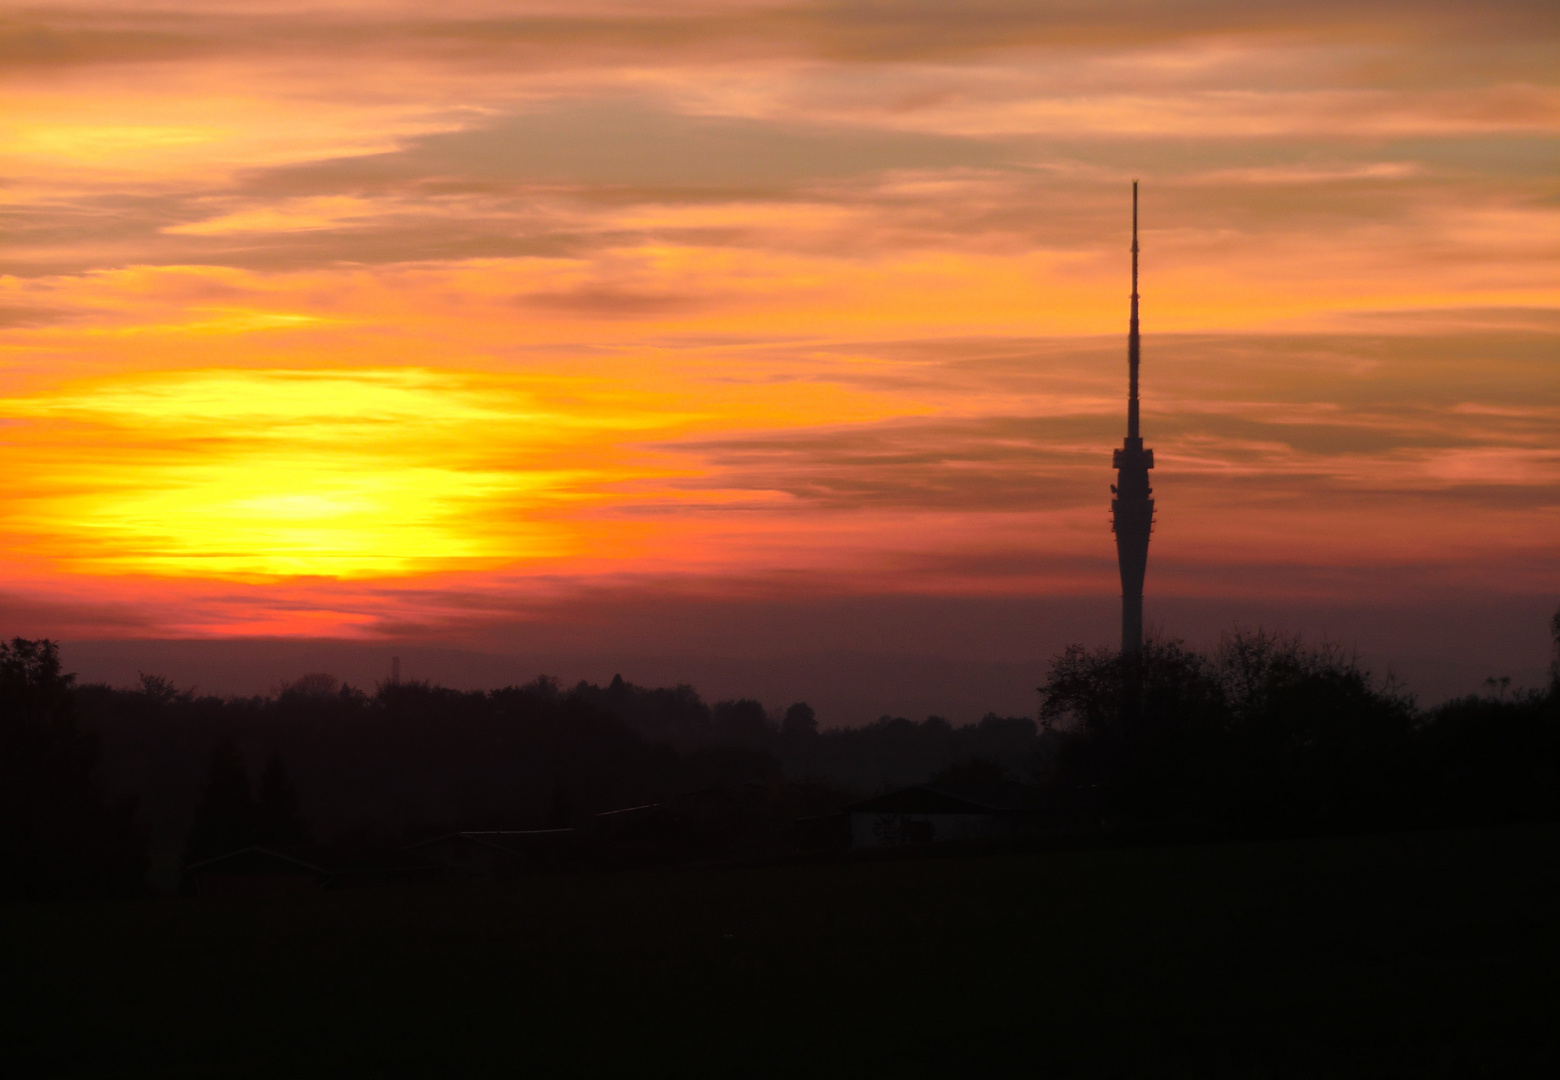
(764, 332)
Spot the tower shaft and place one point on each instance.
(1133, 348)
(1132, 508)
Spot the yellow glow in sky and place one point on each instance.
(344, 474)
(735, 293)
(348, 474)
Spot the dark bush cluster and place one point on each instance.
(1267, 735)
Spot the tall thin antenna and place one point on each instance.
(1132, 335)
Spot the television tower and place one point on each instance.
(1132, 508)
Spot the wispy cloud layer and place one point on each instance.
(810, 296)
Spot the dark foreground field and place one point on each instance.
(1429, 954)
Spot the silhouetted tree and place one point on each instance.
(1311, 736)
(800, 721)
(675, 715)
(60, 836)
(1136, 729)
(1083, 690)
(1554, 665)
(1266, 734)
(1490, 759)
(159, 691)
(742, 723)
(225, 817)
(973, 771)
(316, 684)
(277, 820)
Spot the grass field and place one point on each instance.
(1433, 954)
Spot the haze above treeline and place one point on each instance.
(1264, 736)
(853, 658)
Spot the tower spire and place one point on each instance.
(1132, 331)
(1132, 509)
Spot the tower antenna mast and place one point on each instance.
(1132, 508)
(1133, 345)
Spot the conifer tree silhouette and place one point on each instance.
(60, 835)
(225, 817)
(276, 807)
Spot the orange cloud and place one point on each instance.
(344, 318)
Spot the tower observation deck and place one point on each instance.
(1132, 507)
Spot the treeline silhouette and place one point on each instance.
(1268, 736)
(332, 764)
(1263, 736)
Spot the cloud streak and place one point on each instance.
(352, 319)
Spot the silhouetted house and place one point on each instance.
(940, 813)
(497, 853)
(269, 871)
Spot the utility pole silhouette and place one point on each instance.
(1132, 508)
